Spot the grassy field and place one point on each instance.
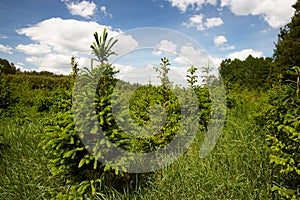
(236, 169)
(23, 168)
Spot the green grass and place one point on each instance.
(23, 165)
(237, 168)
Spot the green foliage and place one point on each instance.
(5, 93)
(163, 71)
(3, 147)
(40, 91)
(157, 114)
(52, 101)
(78, 152)
(296, 72)
(252, 73)
(237, 168)
(46, 82)
(280, 119)
(75, 68)
(101, 48)
(192, 78)
(6, 67)
(205, 109)
(70, 161)
(83, 174)
(287, 48)
(23, 166)
(205, 77)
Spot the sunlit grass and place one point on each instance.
(237, 168)
(23, 165)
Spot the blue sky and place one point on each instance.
(44, 34)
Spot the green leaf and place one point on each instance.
(82, 161)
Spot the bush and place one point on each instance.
(5, 93)
(280, 119)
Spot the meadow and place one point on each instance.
(51, 146)
(238, 167)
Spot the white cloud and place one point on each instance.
(197, 4)
(219, 40)
(197, 57)
(191, 56)
(142, 74)
(68, 37)
(55, 63)
(276, 13)
(34, 49)
(195, 21)
(6, 49)
(145, 74)
(84, 8)
(104, 11)
(165, 46)
(214, 21)
(198, 22)
(21, 67)
(242, 55)
(20, 64)
(216, 61)
(222, 41)
(125, 44)
(230, 47)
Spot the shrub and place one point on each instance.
(280, 119)
(79, 154)
(5, 93)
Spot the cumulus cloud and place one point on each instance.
(222, 41)
(56, 63)
(189, 55)
(200, 24)
(214, 21)
(219, 40)
(34, 49)
(216, 61)
(276, 13)
(242, 55)
(6, 49)
(165, 46)
(21, 67)
(195, 21)
(84, 8)
(197, 4)
(68, 37)
(124, 69)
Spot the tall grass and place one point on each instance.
(236, 169)
(23, 165)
